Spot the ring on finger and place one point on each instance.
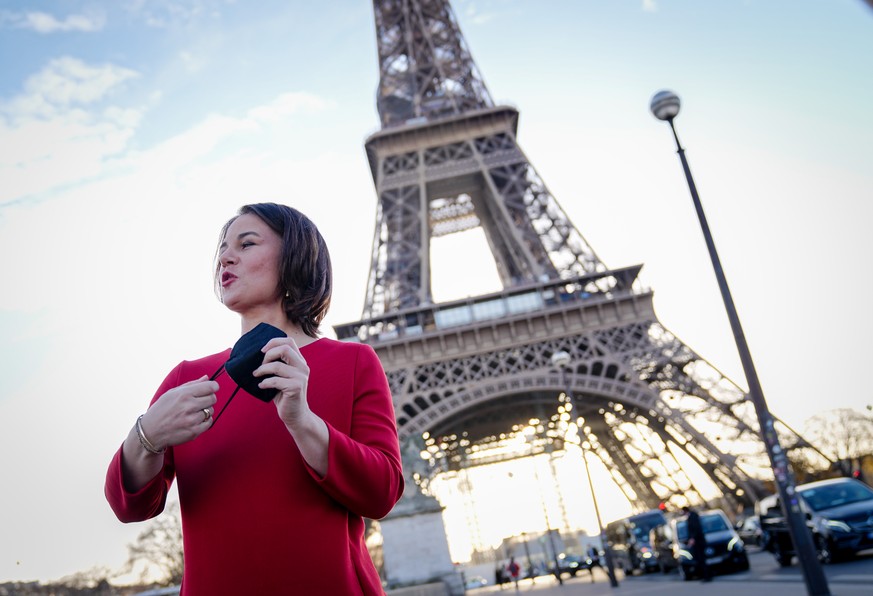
(206, 414)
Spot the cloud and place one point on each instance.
(288, 104)
(476, 17)
(45, 23)
(67, 81)
(207, 140)
(58, 132)
(60, 128)
(193, 62)
(169, 13)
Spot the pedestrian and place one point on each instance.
(593, 560)
(514, 571)
(275, 483)
(697, 543)
(499, 575)
(594, 555)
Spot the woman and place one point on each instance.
(273, 495)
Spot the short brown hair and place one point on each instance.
(305, 272)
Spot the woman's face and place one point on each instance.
(249, 257)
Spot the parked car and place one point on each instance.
(572, 564)
(661, 539)
(838, 513)
(774, 533)
(750, 531)
(725, 551)
(477, 581)
(628, 540)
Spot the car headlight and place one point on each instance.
(684, 554)
(839, 526)
(735, 544)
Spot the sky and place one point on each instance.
(131, 131)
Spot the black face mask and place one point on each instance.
(245, 357)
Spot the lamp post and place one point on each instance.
(526, 550)
(665, 106)
(530, 436)
(561, 360)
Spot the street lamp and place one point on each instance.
(529, 433)
(665, 106)
(561, 360)
(526, 550)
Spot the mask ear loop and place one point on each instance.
(230, 399)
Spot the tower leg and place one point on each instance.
(415, 548)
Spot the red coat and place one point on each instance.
(256, 519)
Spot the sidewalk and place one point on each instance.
(722, 586)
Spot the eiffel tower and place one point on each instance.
(468, 373)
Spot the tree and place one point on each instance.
(844, 434)
(808, 465)
(93, 582)
(157, 552)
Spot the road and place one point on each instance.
(765, 578)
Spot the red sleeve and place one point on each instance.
(149, 500)
(144, 504)
(364, 473)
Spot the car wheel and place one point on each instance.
(743, 563)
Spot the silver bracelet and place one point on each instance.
(146, 444)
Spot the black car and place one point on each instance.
(572, 564)
(628, 540)
(838, 512)
(725, 551)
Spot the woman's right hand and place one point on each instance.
(178, 416)
(181, 414)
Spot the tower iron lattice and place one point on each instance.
(467, 372)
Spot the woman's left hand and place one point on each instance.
(289, 374)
